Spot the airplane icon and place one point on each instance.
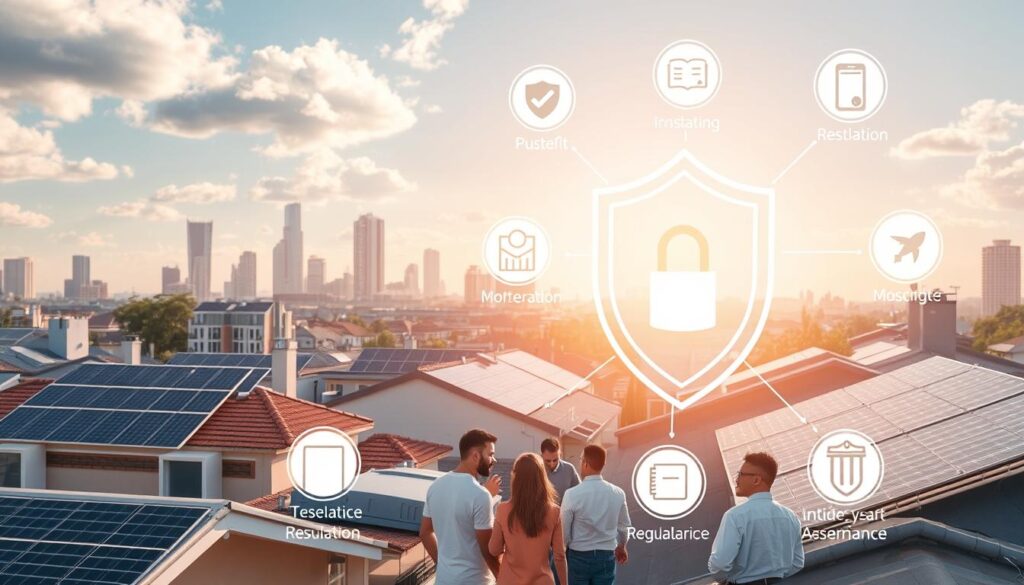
(911, 245)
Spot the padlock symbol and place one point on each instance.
(683, 300)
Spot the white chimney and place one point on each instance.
(409, 342)
(131, 350)
(69, 337)
(35, 316)
(282, 363)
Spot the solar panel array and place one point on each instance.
(401, 361)
(243, 360)
(10, 336)
(69, 542)
(934, 421)
(139, 406)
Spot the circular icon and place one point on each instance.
(906, 246)
(687, 74)
(850, 85)
(669, 482)
(323, 463)
(845, 467)
(542, 98)
(516, 251)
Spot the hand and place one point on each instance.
(493, 485)
(621, 555)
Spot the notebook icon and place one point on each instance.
(668, 481)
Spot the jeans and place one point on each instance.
(594, 567)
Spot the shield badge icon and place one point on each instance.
(542, 98)
(683, 270)
(846, 467)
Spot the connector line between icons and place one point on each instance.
(808, 252)
(579, 384)
(776, 392)
(795, 160)
(590, 166)
(672, 421)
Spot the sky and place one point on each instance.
(120, 119)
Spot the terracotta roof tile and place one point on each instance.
(15, 395)
(398, 540)
(384, 451)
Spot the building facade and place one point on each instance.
(431, 273)
(315, 275)
(368, 251)
(231, 328)
(288, 269)
(1000, 277)
(200, 258)
(19, 280)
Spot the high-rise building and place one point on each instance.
(368, 256)
(431, 273)
(1000, 276)
(316, 274)
(288, 269)
(200, 258)
(412, 279)
(170, 278)
(476, 283)
(19, 280)
(348, 286)
(245, 283)
(80, 278)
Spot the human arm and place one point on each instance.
(483, 521)
(483, 539)
(428, 537)
(567, 514)
(496, 546)
(798, 553)
(558, 550)
(725, 547)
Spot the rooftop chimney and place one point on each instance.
(69, 337)
(932, 324)
(408, 342)
(285, 378)
(131, 350)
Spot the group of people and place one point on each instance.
(559, 526)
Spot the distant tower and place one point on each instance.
(288, 256)
(431, 273)
(368, 256)
(1000, 277)
(200, 258)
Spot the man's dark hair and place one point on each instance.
(549, 445)
(765, 463)
(594, 455)
(473, 439)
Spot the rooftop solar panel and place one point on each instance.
(399, 361)
(243, 360)
(69, 542)
(12, 335)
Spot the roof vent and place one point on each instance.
(282, 502)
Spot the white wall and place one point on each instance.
(421, 410)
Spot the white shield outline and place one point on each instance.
(684, 166)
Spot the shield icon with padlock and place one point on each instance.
(683, 269)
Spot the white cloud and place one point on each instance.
(996, 181)
(60, 55)
(324, 176)
(432, 109)
(947, 217)
(308, 98)
(981, 123)
(421, 46)
(132, 111)
(28, 153)
(12, 215)
(201, 193)
(141, 209)
(88, 240)
(215, 6)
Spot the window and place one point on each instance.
(10, 470)
(184, 479)
(336, 571)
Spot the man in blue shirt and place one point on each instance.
(758, 541)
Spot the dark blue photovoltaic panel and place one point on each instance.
(44, 424)
(49, 541)
(174, 400)
(399, 361)
(142, 428)
(78, 425)
(112, 427)
(205, 402)
(241, 360)
(177, 429)
(250, 381)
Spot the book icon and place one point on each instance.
(668, 481)
(687, 73)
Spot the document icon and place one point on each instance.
(323, 468)
(668, 481)
(687, 73)
(517, 252)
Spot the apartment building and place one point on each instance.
(225, 327)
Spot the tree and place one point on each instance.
(378, 326)
(810, 333)
(356, 320)
(384, 339)
(1006, 324)
(6, 319)
(162, 321)
(434, 344)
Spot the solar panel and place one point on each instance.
(69, 542)
(12, 335)
(244, 360)
(399, 361)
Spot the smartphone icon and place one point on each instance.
(850, 87)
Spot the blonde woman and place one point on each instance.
(528, 528)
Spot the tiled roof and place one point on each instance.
(268, 420)
(263, 420)
(383, 451)
(398, 540)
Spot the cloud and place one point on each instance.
(12, 215)
(422, 43)
(88, 240)
(325, 175)
(141, 209)
(215, 6)
(308, 98)
(432, 109)
(61, 55)
(200, 193)
(996, 181)
(28, 153)
(981, 123)
(946, 217)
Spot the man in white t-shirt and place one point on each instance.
(459, 513)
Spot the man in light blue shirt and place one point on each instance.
(758, 541)
(595, 522)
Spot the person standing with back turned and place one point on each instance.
(459, 513)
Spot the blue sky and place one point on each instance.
(431, 151)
